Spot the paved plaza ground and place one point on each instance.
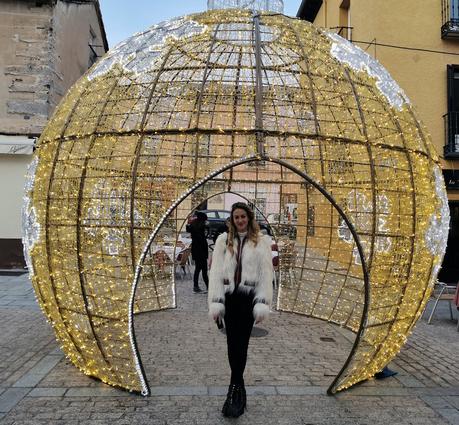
(289, 369)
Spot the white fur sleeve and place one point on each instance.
(216, 294)
(264, 289)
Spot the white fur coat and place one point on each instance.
(256, 276)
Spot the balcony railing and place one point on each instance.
(345, 32)
(450, 18)
(451, 148)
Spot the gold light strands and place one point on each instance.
(304, 125)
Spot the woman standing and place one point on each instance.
(199, 249)
(240, 291)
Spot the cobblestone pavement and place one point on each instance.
(288, 371)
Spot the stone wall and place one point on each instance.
(26, 66)
(44, 49)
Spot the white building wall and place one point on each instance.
(12, 180)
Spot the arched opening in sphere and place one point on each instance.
(321, 272)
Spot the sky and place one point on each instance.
(124, 18)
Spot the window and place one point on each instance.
(92, 45)
(454, 10)
(450, 18)
(289, 198)
(453, 88)
(224, 214)
(345, 29)
(259, 207)
(452, 116)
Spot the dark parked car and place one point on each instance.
(215, 224)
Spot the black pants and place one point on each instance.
(239, 323)
(200, 265)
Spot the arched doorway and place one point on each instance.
(322, 270)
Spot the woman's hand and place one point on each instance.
(260, 312)
(216, 310)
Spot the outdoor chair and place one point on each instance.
(180, 244)
(183, 261)
(275, 259)
(287, 259)
(443, 292)
(287, 255)
(456, 303)
(161, 259)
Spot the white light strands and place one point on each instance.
(259, 5)
(231, 102)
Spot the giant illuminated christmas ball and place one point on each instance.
(291, 117)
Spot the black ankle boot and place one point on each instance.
(235, 401)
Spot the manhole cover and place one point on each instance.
(258, 332)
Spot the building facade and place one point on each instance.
(417, 41)
(45, 46)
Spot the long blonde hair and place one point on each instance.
(253, 229)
